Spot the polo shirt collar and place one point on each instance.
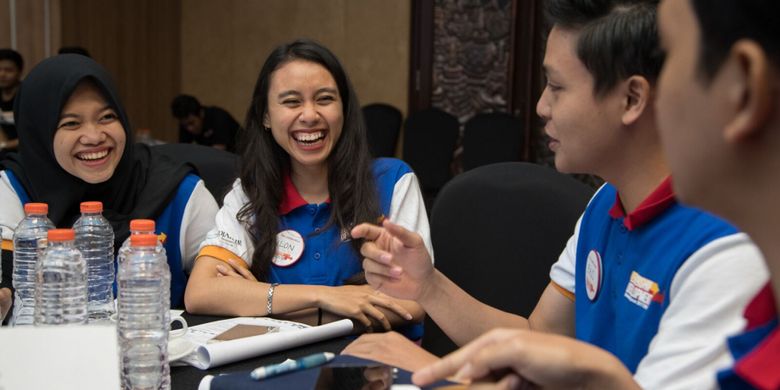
(291, 198)
(759, 366)
(657, 202)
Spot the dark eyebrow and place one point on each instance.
(70, 115)
(327, 89)
(285, 94)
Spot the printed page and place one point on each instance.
(209, 353)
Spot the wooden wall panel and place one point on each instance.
(224, 44)
(138, 41)
(5, 24)
(32, 28)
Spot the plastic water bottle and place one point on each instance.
(61, 282)
(144, 226)
(29, 243)
(143, 317)
(95, 240)
(138, 226)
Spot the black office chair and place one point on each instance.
(429, 142)
(383, 123)
(490, 138)
(217, 168)
(496, 231)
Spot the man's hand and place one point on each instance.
(543, 359)
(396, 260)
(390, 348)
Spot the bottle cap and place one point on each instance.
(142, 225)
(36, 208)
(91, 207)
(143, 240)
(59, 235)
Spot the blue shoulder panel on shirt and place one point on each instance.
(170, 223)
(20, 192)
(387, 172)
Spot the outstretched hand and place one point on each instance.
(523, 356)
(396, 260)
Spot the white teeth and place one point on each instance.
(309, 137)
(92, 156)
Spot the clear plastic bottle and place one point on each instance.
(143, 317)
(61, 282)
(29, 243)
(138, 226)
(95, 240)
(144, 226)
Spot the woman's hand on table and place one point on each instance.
(360, 303)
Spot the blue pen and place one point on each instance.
(310, 361)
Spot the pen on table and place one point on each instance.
(310, 361)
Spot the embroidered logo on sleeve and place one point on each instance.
(228, 241)
(642, 291)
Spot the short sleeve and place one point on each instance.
(196, 222)
(229, 238)
(562, 272)
(407, 208)
(707, 298)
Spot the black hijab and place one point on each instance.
(143, 182)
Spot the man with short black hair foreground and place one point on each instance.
(719, 116)
(646, 285)
(210, 126)
(11, 66)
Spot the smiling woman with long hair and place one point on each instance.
(281, 243)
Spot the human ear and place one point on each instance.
(636, 99)
(753, 90)
(266, 121)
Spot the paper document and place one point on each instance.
(208, 353)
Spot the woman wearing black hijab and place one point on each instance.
(76, 145)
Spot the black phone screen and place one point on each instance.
(368, 377)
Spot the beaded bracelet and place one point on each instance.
(269, 304)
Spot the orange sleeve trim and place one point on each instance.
(566, 293)
(220, 253)
(8, 245)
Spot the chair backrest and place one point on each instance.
(490, 138)
(497, 229)
(217, 168)
(429, 142)
(383, 123)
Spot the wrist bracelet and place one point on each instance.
(269, 304)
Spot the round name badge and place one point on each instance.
(593, 275)
(289, 248)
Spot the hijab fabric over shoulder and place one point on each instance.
(143, 182)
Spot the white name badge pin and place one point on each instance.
(289, 248)
(593, 274)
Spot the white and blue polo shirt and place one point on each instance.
(756, 350)
(660, 287)
(328, 257)
(639, 258)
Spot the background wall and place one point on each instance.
(224, 44)
(138, 41)
(32, 27)
(212, 49)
